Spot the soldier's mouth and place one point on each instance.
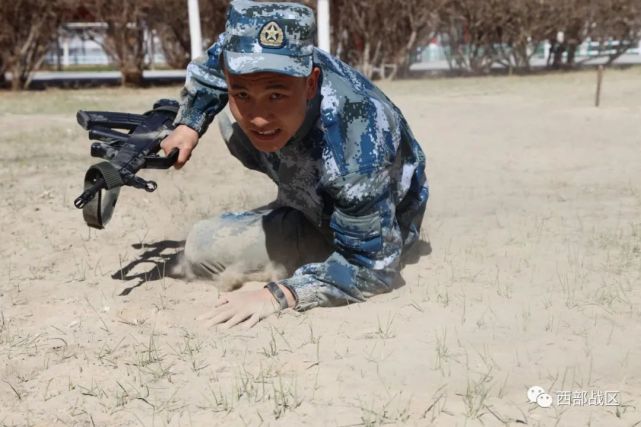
(267, 134)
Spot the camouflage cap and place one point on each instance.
(274, 37)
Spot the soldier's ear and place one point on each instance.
(312, 83)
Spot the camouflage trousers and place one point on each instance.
(251, 241)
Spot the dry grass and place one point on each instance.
(534, 278)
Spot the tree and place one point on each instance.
(123, 38)
(469, 29)
(524, 25)
(169, 19)
(616, 26)
(572, 19)
(369, 34)
(481, 34)
(213, 14)
(2, 71)
(27, 29)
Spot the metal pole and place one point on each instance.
(65, 51)
(194, 29)
(599, 80)
(322, 9)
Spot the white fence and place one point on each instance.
(436, 52)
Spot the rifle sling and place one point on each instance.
(98, 211)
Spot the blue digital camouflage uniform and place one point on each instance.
(354, 168)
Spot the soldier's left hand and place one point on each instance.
(245, 308)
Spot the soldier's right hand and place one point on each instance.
(185, 139)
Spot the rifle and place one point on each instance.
(124, 153)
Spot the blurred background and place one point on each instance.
(138, 40)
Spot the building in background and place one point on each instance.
(79, 45)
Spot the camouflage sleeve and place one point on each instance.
(205, 92)
(368, 245)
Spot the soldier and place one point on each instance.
(351, 178)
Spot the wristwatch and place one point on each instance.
(277, 292)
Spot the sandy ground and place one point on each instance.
(534, 278)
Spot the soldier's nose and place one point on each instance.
(259, 122)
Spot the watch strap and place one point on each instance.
(278, 294)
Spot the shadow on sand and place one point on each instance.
(163, 259)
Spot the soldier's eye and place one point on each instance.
(241, 95)
(276, 96)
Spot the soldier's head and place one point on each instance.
(267, 60)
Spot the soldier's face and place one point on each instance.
(270, 107)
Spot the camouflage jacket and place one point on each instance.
(354, 167)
